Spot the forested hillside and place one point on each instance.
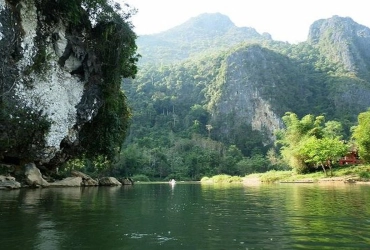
(204, 34)
(209, 96)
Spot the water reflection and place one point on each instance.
(187, 216)
(322, 212)
(303, 215)
(48, 237)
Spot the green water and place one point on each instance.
(187, 216)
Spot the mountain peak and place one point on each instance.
(205, 32)
(210, 21)
(344, 42)
(343, 26)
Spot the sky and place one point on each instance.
(285, 20)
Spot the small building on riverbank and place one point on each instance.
(351, 158)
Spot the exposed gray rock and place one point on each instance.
(34, 176)
(7, 182)
(45, 76)
(76, 173)
(126, 181)
(90, 182)
(68, 182)
(86, 179)
(345, 44)
(109, 181)
(241, 91)
(343, 41)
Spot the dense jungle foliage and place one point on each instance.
(177, 131)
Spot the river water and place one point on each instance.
(187, 216)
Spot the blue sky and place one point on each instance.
(285, 20)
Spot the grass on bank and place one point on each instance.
(356, 173)
(222, 178)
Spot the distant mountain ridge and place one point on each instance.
(210, 24)
(207, 26)
(204, 33)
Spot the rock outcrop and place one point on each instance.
(343, 41)
(47, 83)
(61, 61)
(86, 179)
(126, 181)
(34, 177)
(109, 181)
(68, 182)
(247, 90)
(8, 182)
(344, 48)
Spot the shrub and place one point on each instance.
(274, 176)
(205, 179)
(364, 175)
(140, 177)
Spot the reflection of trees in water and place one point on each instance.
(52, 217)
(285, 216)
(320, 212)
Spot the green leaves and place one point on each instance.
(361, 134)
(22, 130)
(320, 151)
(113, 43)
(106, 132)
(306, 142)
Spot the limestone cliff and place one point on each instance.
(344, 53)
(52, 76)
(255, 86)
(343, 41)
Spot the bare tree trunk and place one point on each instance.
(323, 167)
(331, 170)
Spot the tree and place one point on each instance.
(361, 135)
(232, 156)
(333, 129)
(113, 41)
(274, 160)
(307, 142)
(291, 138)
(322, 152)
(209, 128)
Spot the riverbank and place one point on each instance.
(33, 178)
(350, 174)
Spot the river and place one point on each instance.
(187, 216)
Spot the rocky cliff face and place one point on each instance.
(345, 44)
(240, 92)
(256, 86)
(47, 90)
(343, 41)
